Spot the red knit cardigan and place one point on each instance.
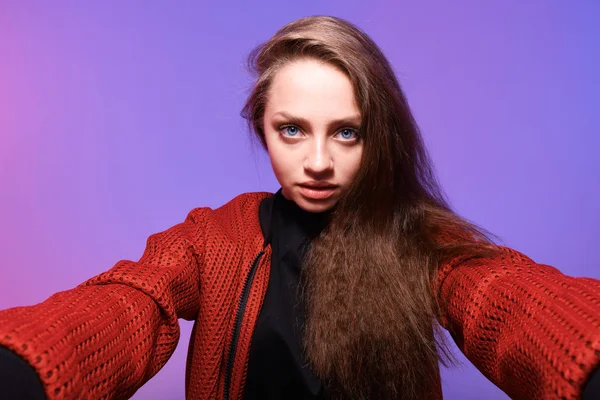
(531, 330)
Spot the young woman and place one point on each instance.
(333, 287)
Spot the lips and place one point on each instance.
(318, 184)
(317, 192)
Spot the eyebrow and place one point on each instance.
(353, 120)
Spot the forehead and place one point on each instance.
(311, 89)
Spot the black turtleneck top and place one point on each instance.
(277, 367)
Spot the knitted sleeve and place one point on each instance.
(533, 331)
(109, 335)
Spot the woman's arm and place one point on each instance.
(531, 330)
(112, 333)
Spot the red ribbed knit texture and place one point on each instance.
(531, 330)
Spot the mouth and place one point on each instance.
(317, 192)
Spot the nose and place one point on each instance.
(318, 159)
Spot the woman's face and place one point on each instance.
(311, 126)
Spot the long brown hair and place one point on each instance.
(370, 277)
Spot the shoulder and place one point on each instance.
(243, 207)
(249, 198)
(245, 203)
(239, 219)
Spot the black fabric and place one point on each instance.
(277, 368)
(591, 391)
(18, 380)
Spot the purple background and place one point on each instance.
(116, 120)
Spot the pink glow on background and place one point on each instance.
(116, 120)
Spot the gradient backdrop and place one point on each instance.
(117, 119)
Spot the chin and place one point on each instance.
(314, 206)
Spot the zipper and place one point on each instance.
(238, 323)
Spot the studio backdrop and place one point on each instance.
(117, 118)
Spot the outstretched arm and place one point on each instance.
(109, 335)
(531, 330)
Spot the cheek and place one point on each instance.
(281, 162)
(351, 164)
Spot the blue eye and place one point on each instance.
(348, 133)
(291, 130)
